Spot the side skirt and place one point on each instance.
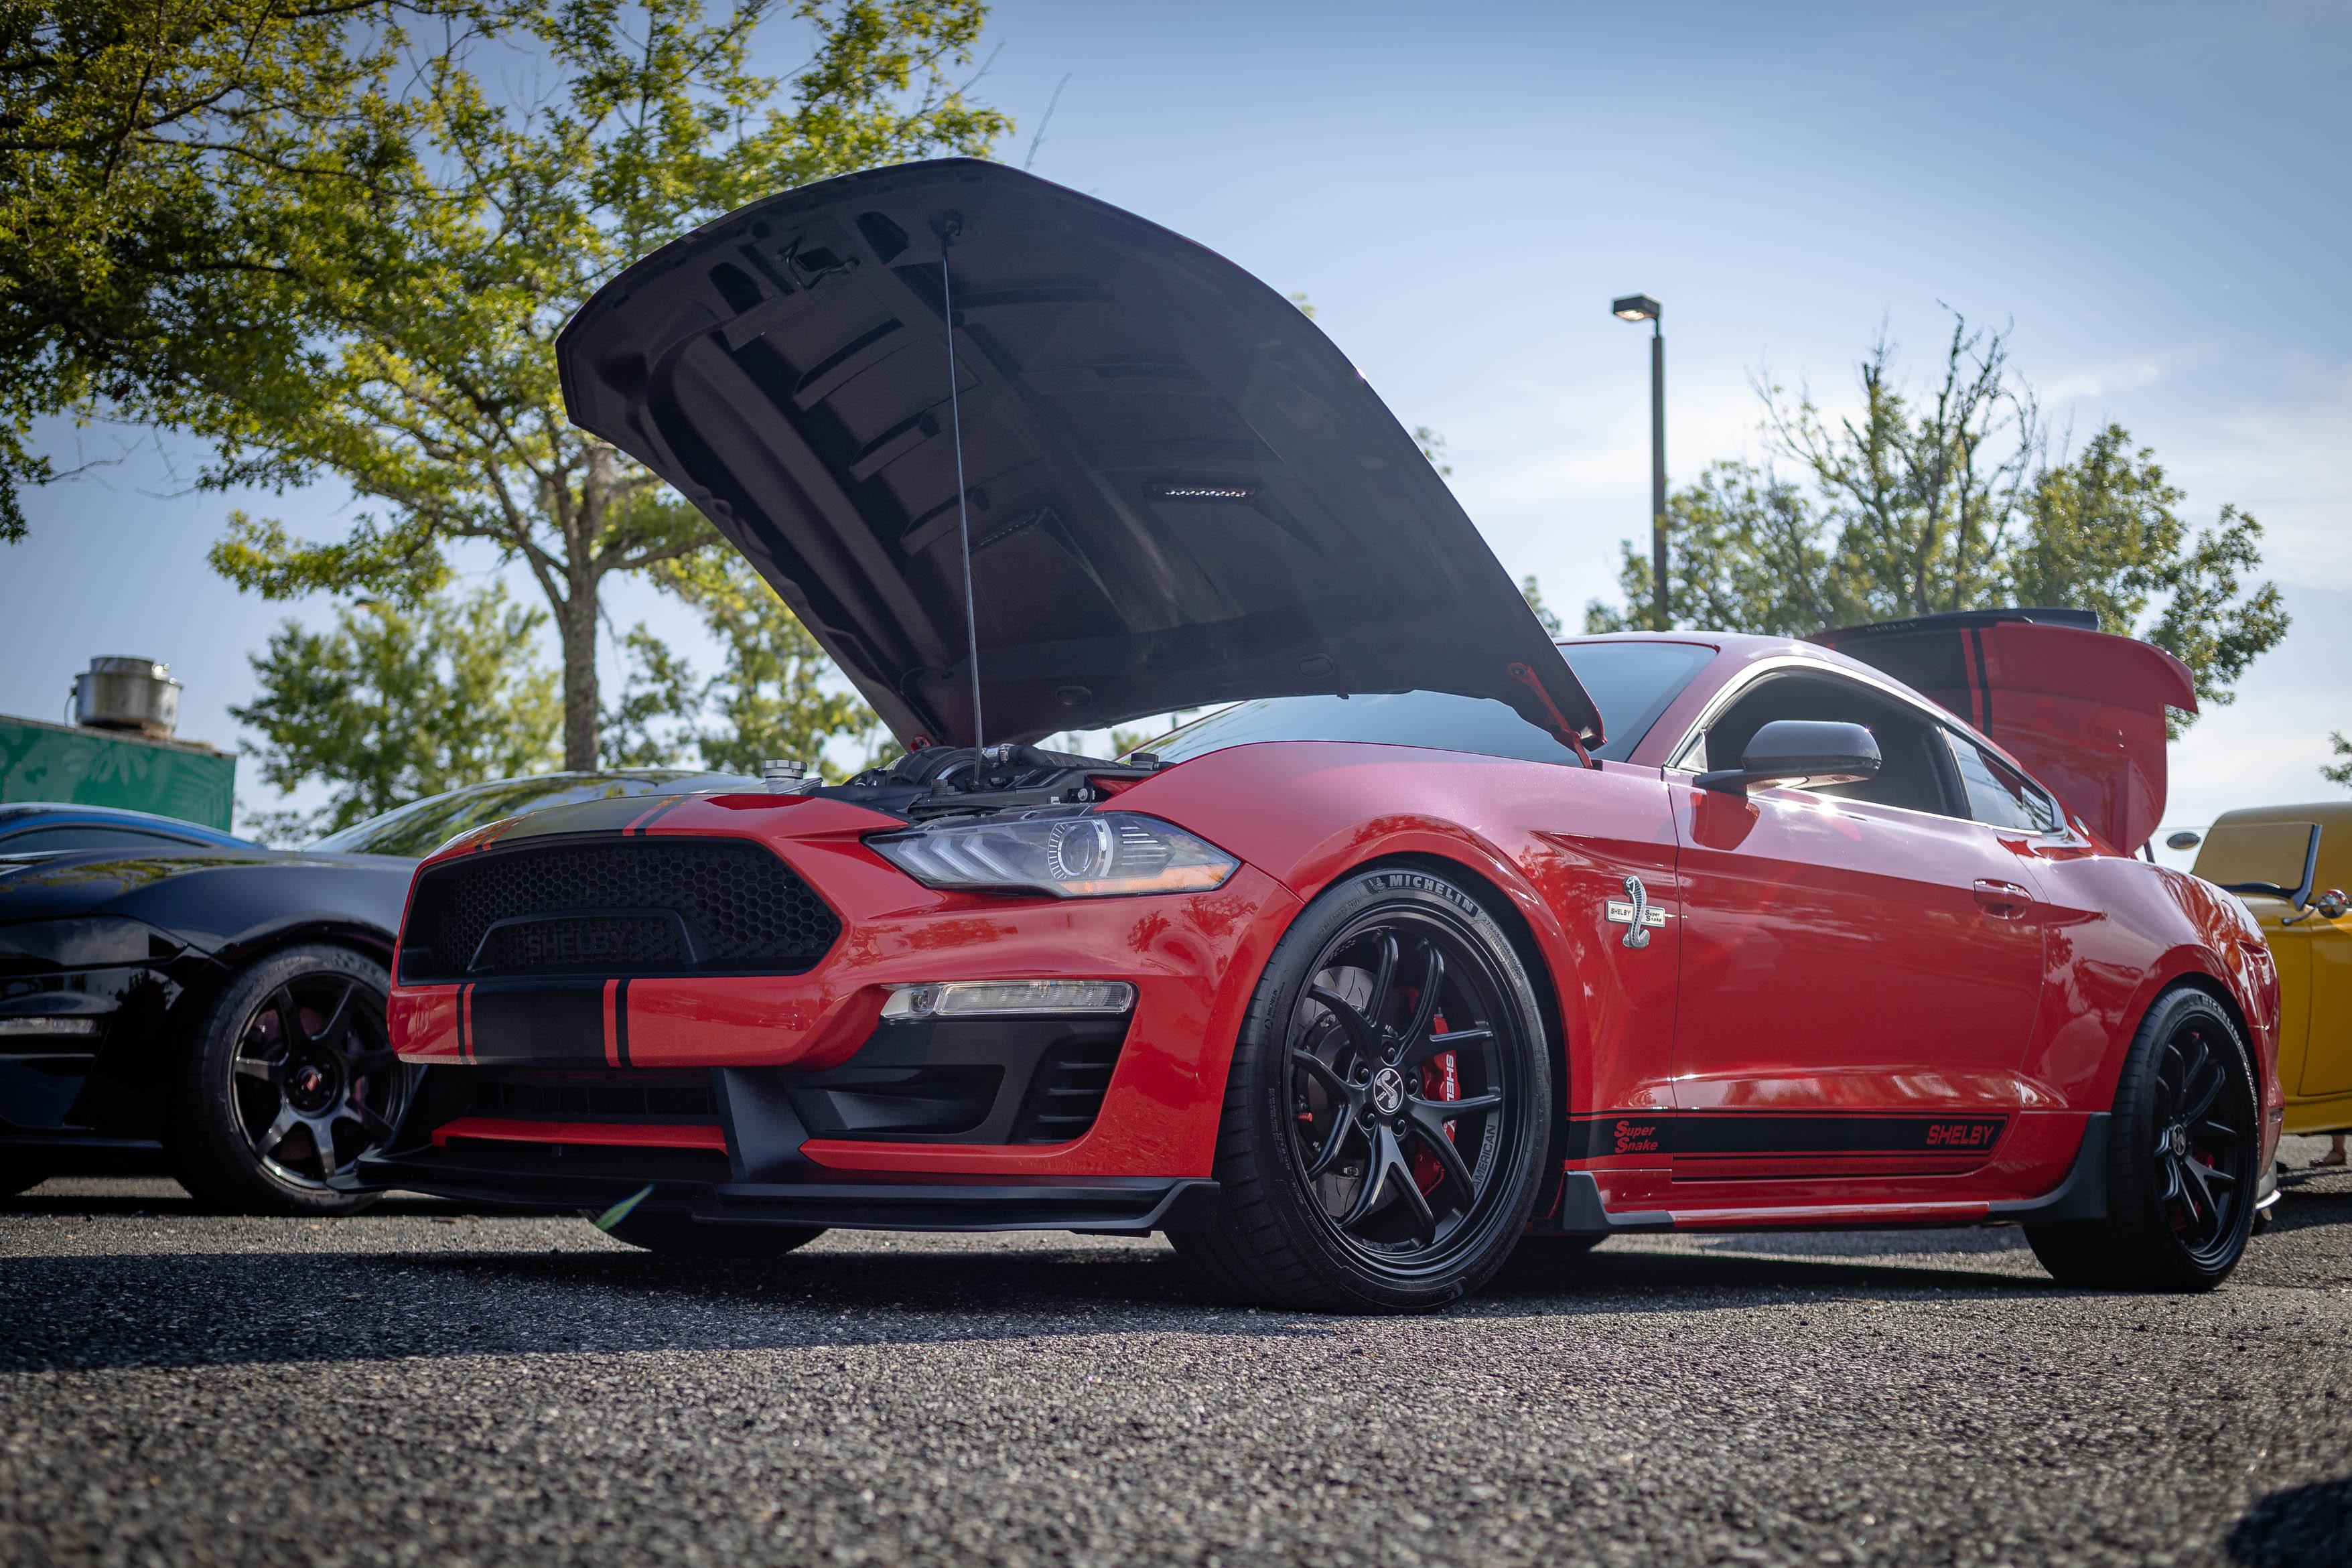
(2082, 1196)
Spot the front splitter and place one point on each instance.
(1131, 1205)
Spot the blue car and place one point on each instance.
(39, 827)
(175, 998)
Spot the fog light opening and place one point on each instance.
(1007, 998)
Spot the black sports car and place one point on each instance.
(173, 998)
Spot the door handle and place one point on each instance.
(2005, 899)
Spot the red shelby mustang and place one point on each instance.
(1440, 938)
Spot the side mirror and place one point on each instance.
(2332, 905)
(1800, 751)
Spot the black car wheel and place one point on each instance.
(291, 1078)
(683, 1236)
(1382, 1135)
(2182, 1160)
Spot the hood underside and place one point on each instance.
(1180, 493)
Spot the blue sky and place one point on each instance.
(2152, 196)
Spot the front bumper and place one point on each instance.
(1126, 1205)
(95, 1090)
(776, 1040)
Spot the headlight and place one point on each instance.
(81, 942)
(1088, 855)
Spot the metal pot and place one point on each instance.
(137, 695)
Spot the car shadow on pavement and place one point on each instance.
(194, 1309)
(2300, 1527)
(1552, 1279)
(2301, 1208)
(175, 1202)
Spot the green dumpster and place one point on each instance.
(182, 779)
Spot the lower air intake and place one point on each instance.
(1067, 1095)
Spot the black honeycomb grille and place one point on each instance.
(618, 908)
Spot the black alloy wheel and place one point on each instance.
(1398, 1087)
(1384, 1122)
(2204, 1143)
(2181, 1160)
(291, 1078)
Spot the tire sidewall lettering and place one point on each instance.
(1387, 881)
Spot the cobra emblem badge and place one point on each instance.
(1636, 913)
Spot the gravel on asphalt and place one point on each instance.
(428, 1385)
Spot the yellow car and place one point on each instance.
(2290, 865)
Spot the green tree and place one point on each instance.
(396, 703)
(1954, 501)
(653, 722)
(188, 192)
(434, 398)
(1433, 446)
(1546, 616)
(2341, 772)
(776, 694)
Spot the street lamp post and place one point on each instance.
(1642, 308)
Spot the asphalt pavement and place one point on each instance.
(425, 1384)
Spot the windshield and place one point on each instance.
(1631, 684)
(416, 829)
(2273, 858)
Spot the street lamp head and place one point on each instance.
(1635, 308)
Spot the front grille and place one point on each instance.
(617, 907)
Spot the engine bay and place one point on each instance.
(948, 780)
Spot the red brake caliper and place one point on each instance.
(1441, 1078)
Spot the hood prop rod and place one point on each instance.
(949, 231)
(1557, 722)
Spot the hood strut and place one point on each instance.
(947, 233)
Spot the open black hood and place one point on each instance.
(1180, 492)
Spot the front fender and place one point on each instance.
(231, 908)
(1557, 841)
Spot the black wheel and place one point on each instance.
(1382, 1136)
(2182, 1160)
(683, 1236)
(291, 1078)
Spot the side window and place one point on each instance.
(1912, 760)
(1996, 794)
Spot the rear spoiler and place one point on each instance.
(2084, 710)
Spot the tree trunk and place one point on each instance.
(575, 623)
